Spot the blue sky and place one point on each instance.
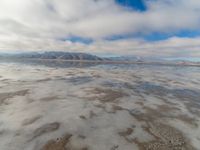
(145, 28)
(139, 5)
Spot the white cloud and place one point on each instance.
(173, 47)
(37, 24)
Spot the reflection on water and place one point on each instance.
(51, 63)
(51, 105)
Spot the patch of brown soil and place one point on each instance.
(193, 107)
(58, 144)
(127, 132)
(150, 115)
(107, 95)
(115, 147)
(161, 112)
(50, 98)
(44, 80)
(5, 96)
(63, 143)
(167, 138)
(30, 120)
(46, 129)
(116, 108)
(91, 115)
(188, 120)
(83, 117)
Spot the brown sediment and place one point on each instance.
(70, 74)
(50, 98)
(61, 78)
(176, 82)
(140, 103)
(43, 80)
(96, 76)
(153, 145)
(30, 120)
(116, 108)
(166, 108)
(18, 133)
(167, 138)
(59, 144)
(136, 77)
(165, 111)
(63, 143)
(58, 77)
(91, 115)
(167, 134)
(115, 147)
(82, 136)
(149, 115)
(5, 80)
(83, 117)
(192, 107)
(106, 95)
(127, 132)
(5, 96)
(77, 80)
(188, 120)
(194, 82)
(162, 111)
(46, 129)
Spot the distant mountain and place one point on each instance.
(54, 56)
(93, 58)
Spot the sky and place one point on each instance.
(145, 28)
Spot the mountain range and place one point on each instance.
(53, 56)
(71, 56)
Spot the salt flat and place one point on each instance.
(103, 107)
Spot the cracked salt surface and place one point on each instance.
(106, 107)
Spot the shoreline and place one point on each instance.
(103, 62)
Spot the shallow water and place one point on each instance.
(68, 106)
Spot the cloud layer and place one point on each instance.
(41, 24)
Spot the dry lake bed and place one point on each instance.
(99, 107)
